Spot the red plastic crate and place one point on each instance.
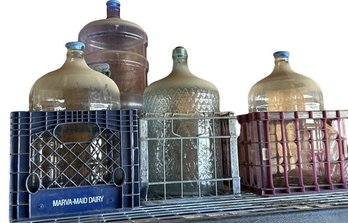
(293, 152)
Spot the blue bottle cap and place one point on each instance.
(76, 45)
(113, 3)
(281, 54)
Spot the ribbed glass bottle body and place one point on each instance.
(121, 44)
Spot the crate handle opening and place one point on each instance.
(118, 176)
(32, 183)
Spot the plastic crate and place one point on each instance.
(73, 162)
(188, 155)
(293, 152)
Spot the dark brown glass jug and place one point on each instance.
(121, 44)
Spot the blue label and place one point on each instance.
(75, 200)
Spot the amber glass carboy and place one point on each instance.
(287, 91)
(72, 154)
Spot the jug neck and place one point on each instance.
(75, 53)
(113, 9)
(281, 62)
(180, 60)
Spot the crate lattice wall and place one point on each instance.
(52, 174)
(188, 155)
(293, 152)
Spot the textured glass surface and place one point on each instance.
(186, 155)
(123, 45)
(189, 160)
(181, 91)
(182, 100)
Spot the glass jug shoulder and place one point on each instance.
(285, 90)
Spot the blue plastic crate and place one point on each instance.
(73, 163)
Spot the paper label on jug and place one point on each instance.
(312, 106)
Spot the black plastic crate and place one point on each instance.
(73, 162)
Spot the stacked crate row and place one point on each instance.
(39, 153)
(128, 160)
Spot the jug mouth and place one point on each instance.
(282, 54)
(75, 45)
(113, 3)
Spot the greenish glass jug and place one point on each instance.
(180, 169)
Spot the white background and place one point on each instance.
(230, 43)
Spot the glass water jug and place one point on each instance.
(72, 154)
(181, 167)
(122, 44)
(281, 91)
